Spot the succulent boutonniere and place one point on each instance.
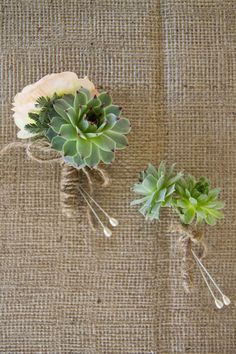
(195, 203)
(83, 125)
(68, 116)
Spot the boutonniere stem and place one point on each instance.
(196, 205)
(68, 121)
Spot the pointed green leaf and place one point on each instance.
(171, 171)
(174, 179)
(113, 109)
(94, 102)
(61, 111)
(161, 196)
(182, 203)
(92, 135)
(202, 198)
(152, 170)
(69, 148)
(144, 209)
(94, 157)
(155, 212)
(57, 143)
(210, 220)
(101, 127)
(138, 188)
(213, 194)
(84, 147)
(78, 161)
(122, 126)
(105, 98)
(216, 213)
(92, 128)
(104, 143)
(187, 193)
(99, 111)
(83, 125)
(83, 111)
(193, 201)
(179, 189)
(160, 182)
(69, 99)
(69, 132)
(111, 120)
(50, 134)
(33, 116)
(170, 190)
(139, 201)
(72, 116)
(86, 92)
(215, 205)
(62, 104)
(189, 216)
(69, 160)
(56, 123)
(80, 99)
(107, 157)
(162, 168)
(149, 183)
(120, 140)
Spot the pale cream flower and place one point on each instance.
(24, 102)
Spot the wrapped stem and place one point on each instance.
(69, 190)
(188, 237)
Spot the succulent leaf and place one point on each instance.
(86, 129)
(156, 188)
(192, 199)
(195, 201)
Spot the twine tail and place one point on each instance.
(33, 149)
(36, 147)
(104, 175)
(69, 190)
(14, 145)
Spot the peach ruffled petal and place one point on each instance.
(61, 83)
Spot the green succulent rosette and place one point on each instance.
(196, 201)
(85, 129)
(193, 200)
(156, 186)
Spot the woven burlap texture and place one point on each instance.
(63, 288)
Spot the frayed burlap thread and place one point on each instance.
(189, 236)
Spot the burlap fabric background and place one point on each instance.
(64, 289)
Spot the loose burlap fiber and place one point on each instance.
(171, 64)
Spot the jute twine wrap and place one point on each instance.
(70, 176)
(70, 181)
(188, 237)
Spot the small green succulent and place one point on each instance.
(85, 129)
(193, 200)
(157, 188)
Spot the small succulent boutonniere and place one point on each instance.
(196, 205)
(68, 116)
